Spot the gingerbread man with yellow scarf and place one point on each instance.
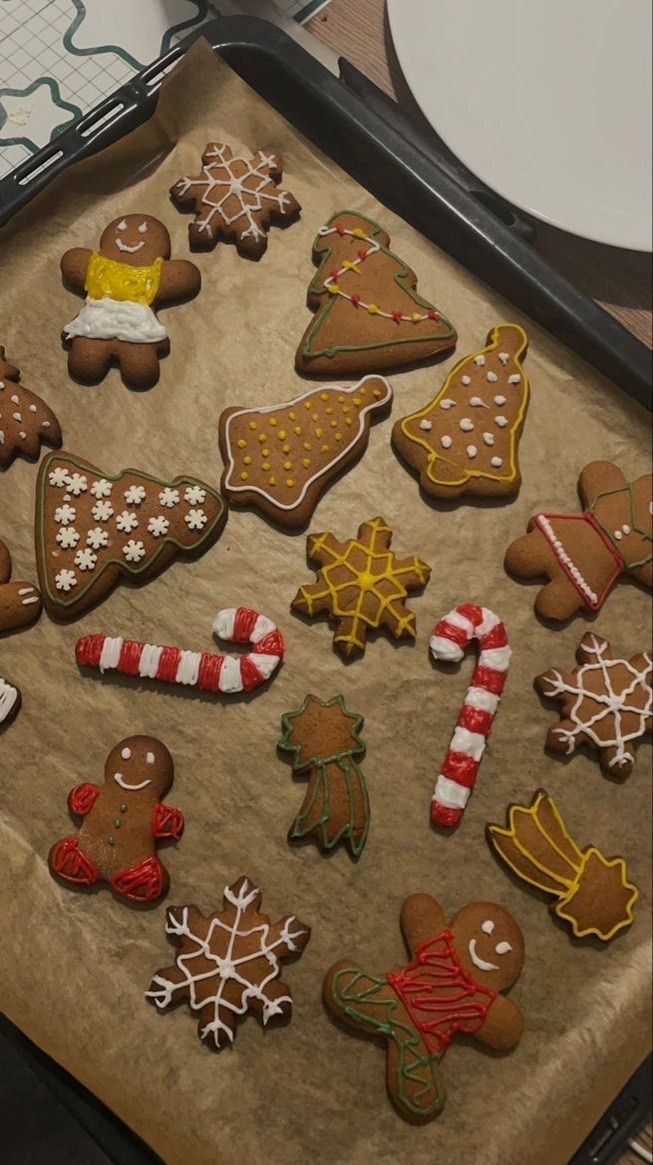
(124, 280)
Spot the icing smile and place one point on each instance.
(120, 780)
(130, 249)
(477, 960)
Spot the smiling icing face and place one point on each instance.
(136, 239)
(489, 944)
(140, 763)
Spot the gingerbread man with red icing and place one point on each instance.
(452, 984)
(122, 822)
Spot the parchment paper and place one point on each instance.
(73, 967)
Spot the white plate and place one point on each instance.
(549, 103)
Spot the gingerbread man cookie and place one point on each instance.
(235, 198)
(585, 554)
(20, 602)
(125, 279)
(452, 984)
(25, 420)
(122, 822)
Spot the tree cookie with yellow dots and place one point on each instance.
(362, 585)
(281, 458)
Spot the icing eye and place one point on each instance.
(126, 753)
(149, 759)
(503, 948)
(122, 226)
(488, 926)
(142, 230)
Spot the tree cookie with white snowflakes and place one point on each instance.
(235, 198)
(368, 315)
(25, 420)
(228, 963)
(92, 528)
(607, 704)
(583, 555)
(466, 440)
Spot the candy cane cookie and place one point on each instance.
(199, 669)
(451, 636)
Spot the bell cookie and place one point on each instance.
(323, 740)
(369, 317)
(228, 963)
(592, 892)
(607, 704)
(10, 701)
(20, 602)
(235, 198)
(585, 554)
(466, 440)
(92, 528)
(122, 821)
(281, 458)
(206, 671)
(129, 276)
(25, 420)
(361, 585)
(453, 983)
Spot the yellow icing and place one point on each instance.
(109, 279)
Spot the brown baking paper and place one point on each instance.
(74, 966)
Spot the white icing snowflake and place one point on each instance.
(97, 537)
(102, 511)
(158, 526)
(65, 580)
(85, 559)
(249, 197)
(77, 484)
(169, 497)
(126, 522)
(196, 519)
(65, 514)
(67, 537)
(133, 551)
(101, 488)
(135, 495)
(195, 495)
(58, 476)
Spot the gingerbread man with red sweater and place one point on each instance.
(123, 820)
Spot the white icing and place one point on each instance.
(142, 229)
(496, 462)
(471, 451)
(491, 377)
(102, 511)
(126, 753)
(564, 558)
(450, 793)
(195, 495)
(500, 400)
(446, 442)
(85, 559)
(466, 425)
(96, 538)
(501, 421)
(514, 379)
(446, 649)
(498, 658)
(133, 551)
(65, 514)
(149, 758)
(135, 494)
(77, 484)
(504, 357)
(169, 497)
(223, 624)
(488, 926)
(265, 663)
(477, 402)
(8, 699)
(67, 537)
(262, 627)
(196, 519)
(426, 425)
(230, 677)
(120, 780)
(126, 522)
(447, 404)
(101, 488)
(58, 476)
(110, 654)
(488, 438)
(130, 249)
(468, 743)
(480, 360)
(65, 580)
(111, 319)
(466, 380)
(482, 964)
(158, 526)
(482, 699)
(626, 529)
(188, 667)
(503, 948)
(149, 662)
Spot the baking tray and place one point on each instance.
(378, 148)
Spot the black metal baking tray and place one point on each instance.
(383, 154)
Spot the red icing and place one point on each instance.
(397, 316)
(355, 299)
(486, 677)
(88, 650)
(143, 883)
(244, 622)
(168, 664)
(82, 798)
(249, 674)
(439, 995)
(460, 768)
(433, 315)
(440, 815)
(472, 612)
(167, 822)
(591, 521)
(450, 631)
(342, 230)
(130, 657)
(69, 861)
(497, 637)
(476, 720)
(208, 678)
(271, 644)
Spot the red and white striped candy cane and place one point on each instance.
(450, 638)
(203, 670)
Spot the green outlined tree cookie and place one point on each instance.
(324, 740)
(369, 315)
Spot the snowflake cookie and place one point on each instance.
(607, 704)
(228, 963)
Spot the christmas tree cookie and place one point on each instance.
(369, 317)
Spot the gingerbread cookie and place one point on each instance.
(228, 963)
(129, 275)
(122, 822)
(25, 420)
(607, 704)
(452, 984)
(92, 528)
(281, 458)
(324, 741)
(10, 701)
(585, 554)
(362, 585)
(20, 602)
(465, 441)
(235, 199)
(369, 317)
(592, 892)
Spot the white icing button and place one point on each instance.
(447, 404)
(514, 379)
(499, 400)
(446, 442)
(496, 462)
(618, 535)
(126, 753)
(466, 379)
(492, 377)
(626, 529)
(466, 425)
(14, 399)
(501, 421)
(426, 426)
(504, 357)
(32, 408)
(488, 438)
(472, 451)
(477, 402)
(480, 360)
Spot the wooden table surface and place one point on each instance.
(619, 280)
